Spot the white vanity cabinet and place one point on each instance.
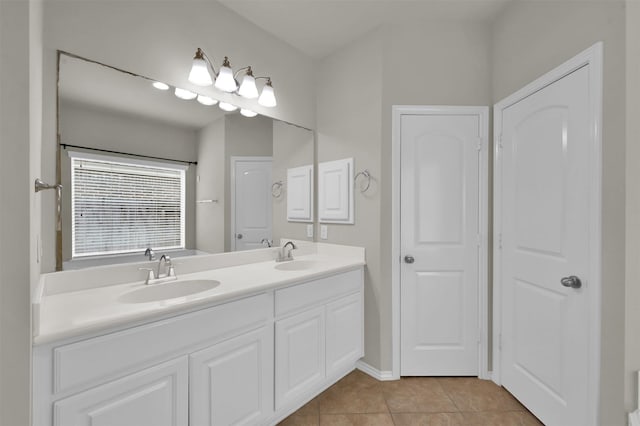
(250, 361)
(156, 396)
(319, 335)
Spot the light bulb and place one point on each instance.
(225, 106)
(248, 87)
(267, 97)
(205, 100)
(224, 79)
(199, 74)
(160, 85)
(184, 94)
(248, 112)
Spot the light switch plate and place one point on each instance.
(310, 231)
(324, 231)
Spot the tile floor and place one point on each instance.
(360, 400)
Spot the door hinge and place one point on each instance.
(500, 241)
(479, 144)
(500, 141)
(500, 341)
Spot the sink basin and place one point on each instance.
(296, 265)
(156, 292)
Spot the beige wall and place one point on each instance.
(92, 127)
(20, 117)
(632, 323)
(210, 186)
(292, 147)
(531, 38)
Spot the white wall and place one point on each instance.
(20, 107)
(292, 147)
(531, 38)
(210, 231)
(632, 322)
(93, 127)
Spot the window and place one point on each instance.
(120, 205)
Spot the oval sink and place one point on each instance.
(296, 265)
(156, 292)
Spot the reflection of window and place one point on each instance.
(120, 205)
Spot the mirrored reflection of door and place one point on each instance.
(251, 208)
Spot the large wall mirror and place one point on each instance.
(142, 168)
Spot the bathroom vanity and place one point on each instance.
(252, 342)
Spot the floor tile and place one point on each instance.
(301, 420)
(417, 395)
(500, 418)
(355, 420)
(471, 394)
(356, 393)
(428, 419)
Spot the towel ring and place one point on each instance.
(276, 189)
(367, 176)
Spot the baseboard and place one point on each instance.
(634, 418)
(374, 372)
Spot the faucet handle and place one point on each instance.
(150, 274)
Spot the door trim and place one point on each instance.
(591, 57)
(232, 188)
(483, 296)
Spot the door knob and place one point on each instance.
(239, 236)
(409, 259)
(571, 281)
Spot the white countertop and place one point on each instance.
(66, 314)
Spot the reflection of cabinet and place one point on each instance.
(210, 367)
(156, 396)
(300, 194)
(231, 381)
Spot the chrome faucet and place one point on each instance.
(168, 267)
(285, 254)
(150, 254)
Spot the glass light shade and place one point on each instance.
(184, 94)
(225, 80)
(267, 97)
(205, 100)
(199, 74)
(225, 106)
(248, 112)
(248, 88)
(160, 85)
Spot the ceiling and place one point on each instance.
(103, 87)
(319, 27)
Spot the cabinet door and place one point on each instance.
(232, 382)
(156, 396)
(344, 333)
(300, 354)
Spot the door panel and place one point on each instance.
(440, 229)
(252, 210)
(545, 237)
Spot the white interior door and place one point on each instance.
(442, 174)
(544, 188)
(251, 202)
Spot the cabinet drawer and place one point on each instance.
(79, 365)
(300, 296)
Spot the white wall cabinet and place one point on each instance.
(231, 382)
(212, 367)
(157, 396)
(335, 191)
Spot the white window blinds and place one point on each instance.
(120, 206)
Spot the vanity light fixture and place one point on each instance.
(248, 112)
(206, 100)
(184, 94)
(160, 85)
(267, 97)
(225, 79)
(225, 106)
